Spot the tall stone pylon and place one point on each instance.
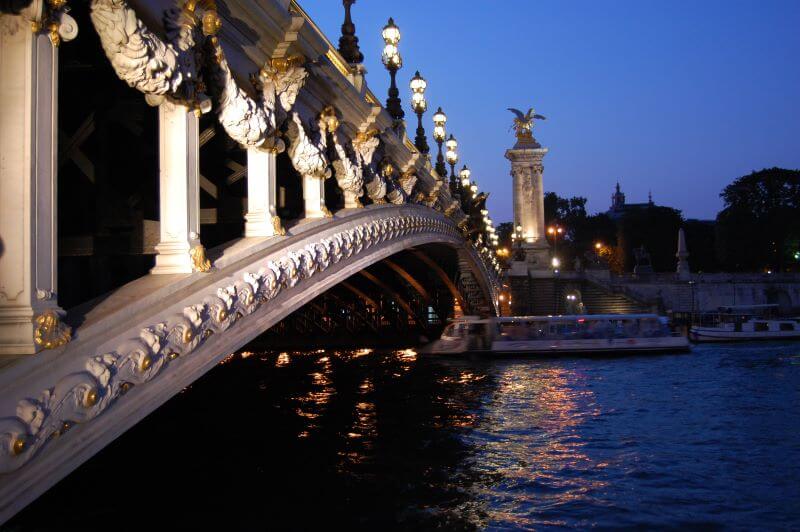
(527, 169)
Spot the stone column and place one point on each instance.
(179, 250)
(261, 218)
(28, 198)
(314, 196)
(527, 169)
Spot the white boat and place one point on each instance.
(559, 335)
(742, 324)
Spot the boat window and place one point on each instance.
(760, 326)
(786, 326)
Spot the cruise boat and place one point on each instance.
(607, 334)
(745, 324)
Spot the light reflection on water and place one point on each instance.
(371, 439)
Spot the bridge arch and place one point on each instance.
(153, 337)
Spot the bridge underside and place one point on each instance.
(401, 300)
(135, 348)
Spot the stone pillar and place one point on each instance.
(28, 198)
(262, 217)
(179, 250)
(527, 169)
(314, 197)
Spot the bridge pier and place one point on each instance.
(179, 194)
(28, 154)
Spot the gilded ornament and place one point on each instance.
(199, 261)
(277, 226)
(146, 362)
(125, 387)
(222, 315)
(211, 23)
(387, 169)
(326, 212)
(173, 355)
(282, 64)
(18, 446)
(49, 332)
(364, 136)
(188, 335)
(90, 399)
(328, 118)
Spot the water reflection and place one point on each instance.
(295, 440)
(529, 438)
(367, 439)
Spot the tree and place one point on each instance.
(759, 227)
(581, 230)
(701, 243)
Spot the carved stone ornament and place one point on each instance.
(277, 226)
(307, 149)
(49, 332)
(256, 123)
(199, 261)
(408, 181)
(349, 173)
(78, 397)
(48, 16)
(366, 144)
(141, 59)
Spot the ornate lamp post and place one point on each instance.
(439, 133)
(348, 42)
(393, 62)
(419, 105)
(464, 175)
(452, 159)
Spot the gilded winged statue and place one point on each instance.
(523, 123)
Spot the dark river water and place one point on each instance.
(393, 440)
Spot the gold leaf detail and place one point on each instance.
(49, 331)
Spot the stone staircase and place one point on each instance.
(599, 300)
(548, 296)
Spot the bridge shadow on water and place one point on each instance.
(289, 440)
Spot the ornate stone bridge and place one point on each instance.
(332, 185)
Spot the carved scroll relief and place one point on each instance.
(145, 62)
(366, 144)
(307, 148)
(349, 173)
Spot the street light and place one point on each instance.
(439, 133)
(452, 159)
(393, 62)
(418, 103)
(554, 231)
(464, 174)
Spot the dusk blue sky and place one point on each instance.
(676, 97)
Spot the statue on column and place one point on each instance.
(523, 123)
(527, 172)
